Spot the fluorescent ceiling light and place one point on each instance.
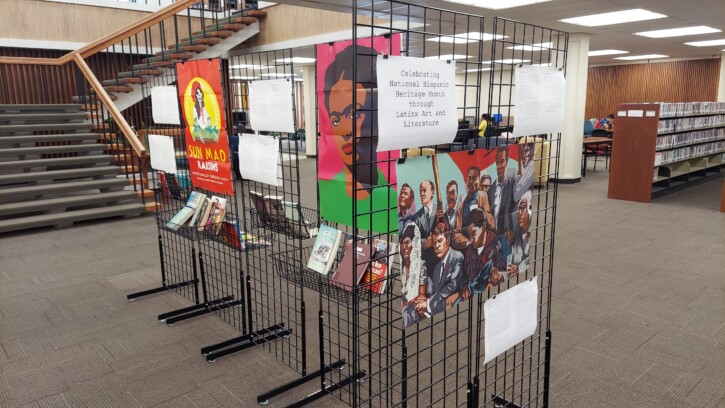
(297, 60)
(449, 57)
(278, 75)
(248, 66)
(507, 61)
(466, 38)
(639, 57)
(548, 64)
(497, 4)
(599, 53)
(678, 32)
(710, 43)
(478, 69)
(616, 17)
(534, 47)
(243, 77)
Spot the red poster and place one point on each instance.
(207, 142)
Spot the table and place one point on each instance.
(591, 147)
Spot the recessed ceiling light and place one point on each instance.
(677, 32)
(449, 57)
(639, 57)
(599, 53)
(497, 4)
(466, 38)
(297, 60)
(616, 17)
(534, 47)
(710, 43)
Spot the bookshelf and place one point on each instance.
(661, 148)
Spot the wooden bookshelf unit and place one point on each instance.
(664, 148)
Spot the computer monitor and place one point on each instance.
(471, 121)
(496, 118)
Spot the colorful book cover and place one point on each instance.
(352, 266)
(324, 251)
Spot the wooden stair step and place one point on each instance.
(153, 64)
(182, 48)
(53, 175)
(125, 80)
(215, 34)
(91, 98)
(140, 73)
(162, 132)
(15, 194)
(89, 107)
(10, 140)
(205, 41)
(54, 204)
(7, 108)
(86, 160)
(171, 56)
(146, 193)
(255, 13)
(243, 20)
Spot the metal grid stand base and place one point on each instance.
(244, 342)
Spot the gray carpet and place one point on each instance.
(638, 313)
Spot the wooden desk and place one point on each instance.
(591, 146)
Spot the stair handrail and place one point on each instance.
(78, 56)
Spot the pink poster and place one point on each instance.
(375, 194)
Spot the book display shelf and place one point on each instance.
(661, 148)
(316, 277)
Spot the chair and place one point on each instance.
(600, 133)
(588, 128)
(594, 121)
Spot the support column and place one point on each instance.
(577, 65)
(309, 87)
(721, 82)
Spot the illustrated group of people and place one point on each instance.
(476, 240)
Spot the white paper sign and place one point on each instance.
(270, 105)
(416, 102)
(259, 159)
(163, 155)
(651, 114)
(635, 113)
(165, 105)
(539, 100)
(621, 114)
(510, 318)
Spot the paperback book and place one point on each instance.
(324, 251)
(183, 216)
(374, 278)
(352, 266)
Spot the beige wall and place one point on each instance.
(48, 21)
(285, 22)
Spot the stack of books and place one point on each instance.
(280, 215)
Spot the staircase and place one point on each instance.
(125, 89)
(54, 172)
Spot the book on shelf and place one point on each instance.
(201, 206)
(169, 184)
(183, 216)
(374, 277)
(216, 214)
(324, 250)
(232, 236)
(352, 266)
(204, 216)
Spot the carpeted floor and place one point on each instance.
(638, 313)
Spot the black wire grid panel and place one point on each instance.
(210, 260)
(274, 302)
(439, 361)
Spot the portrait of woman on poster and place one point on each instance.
(201, 117)
(358, 154)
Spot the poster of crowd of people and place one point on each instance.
(338, 153)
(464, 225)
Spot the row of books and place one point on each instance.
(283, 216)
(690, 108)
(370, 269)
(174, 185)
(681, 139)
(690, 152)
(200, 212)
(683, 124)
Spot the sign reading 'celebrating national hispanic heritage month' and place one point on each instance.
(207, 143)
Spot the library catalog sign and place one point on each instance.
(207, 143)
(416, 102)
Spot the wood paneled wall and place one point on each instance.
(58, 84)
(675, 81)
